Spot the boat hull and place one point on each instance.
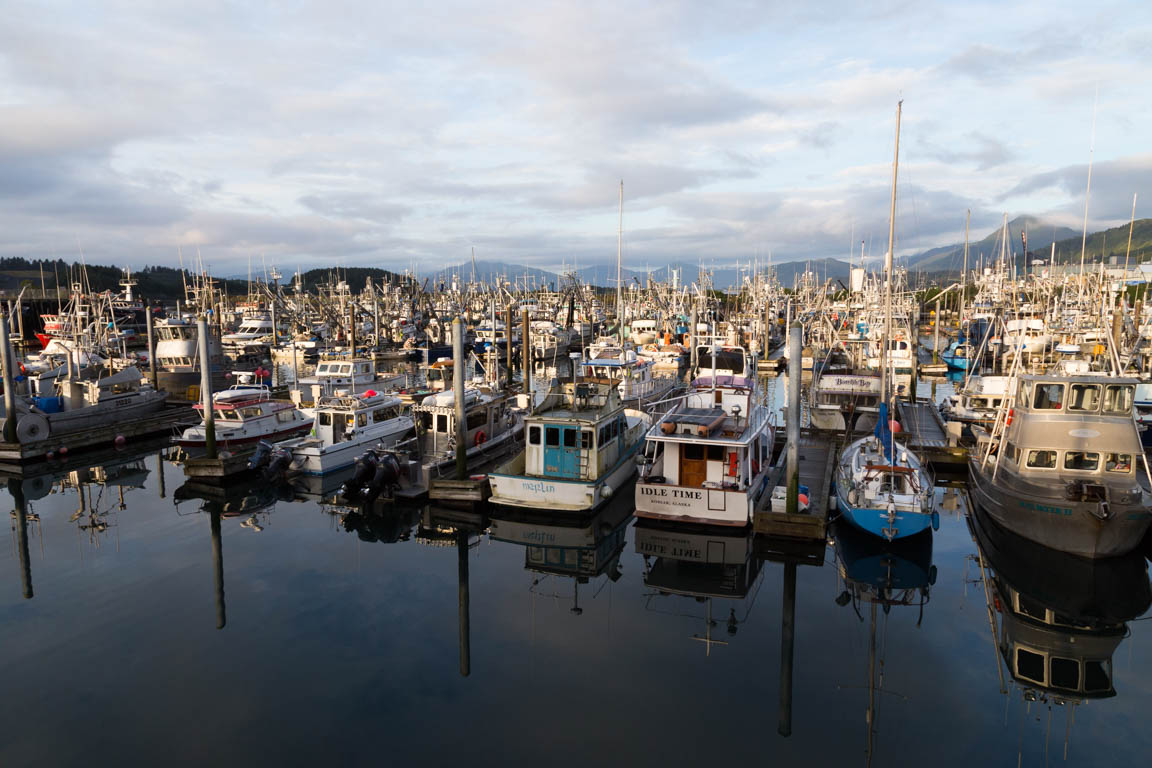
(560, 494)
(1057, 523)
(876, 521)
(223, 441)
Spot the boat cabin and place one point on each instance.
(341, 416)
(486, 415)
(578, 432)
(1075, 426)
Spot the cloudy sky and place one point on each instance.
(403, 135)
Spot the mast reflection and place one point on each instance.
(881, 576)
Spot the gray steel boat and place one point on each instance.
(1063, 465)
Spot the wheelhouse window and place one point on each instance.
(570, 438)
(477, 419)
(1049, 397)
(325, 419)
(1084, 397)
(586, 439)
(1118, 398)
(1042, 459)
(1121, 463)
(534, 435)
(1082, 461)
(552, 437)
(441, 422)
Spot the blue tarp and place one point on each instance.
(884, 432)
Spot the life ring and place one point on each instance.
(733, 464)
(481, 438)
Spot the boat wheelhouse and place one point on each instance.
(631, 374)
(347, 424)
(245, 414)
(580, 450)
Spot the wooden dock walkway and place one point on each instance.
(818, 452)
(922, 425)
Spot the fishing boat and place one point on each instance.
(84, 402)
(491, 428)
(632, 374)
(346, 424)
(979, 400)
(842, 402)
(958, 355)
(1063, 465)
(706, 460)
(580, 450)
(252, 339)
(245, 414)
(178, 358)
(350, 375)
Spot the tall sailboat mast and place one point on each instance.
(619, 256)
(888, 263)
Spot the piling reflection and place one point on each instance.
(1056, 619)
(461, 527)
(703, 564)
(879, 576)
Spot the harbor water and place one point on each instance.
(143, 623)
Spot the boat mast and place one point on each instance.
(888, 264)
(619, 284)
(964, 279)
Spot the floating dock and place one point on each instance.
(166, 420)
(818, 452)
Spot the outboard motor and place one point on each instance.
(365, 469)
(261, 455)
(278, 462)
(387, 476)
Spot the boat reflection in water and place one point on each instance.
(883, 575)
(1061, 617)
(563, 545)
(701, 563)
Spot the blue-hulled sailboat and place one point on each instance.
(881, 486)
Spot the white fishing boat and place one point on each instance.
(245, 414)
(632, 374)
(346, 425)
(351, 376)
(842, 402)
(580, 450)
(491, 428)
(707, 459)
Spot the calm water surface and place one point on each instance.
(302, 634)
